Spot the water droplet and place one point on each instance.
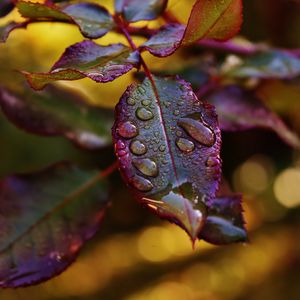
(146, 102)
(138, 148)
(180, 103)
(176, 112)
(144, 114)
(147, 166)
(212, 161)
(198, 131)
(120, 145)
(167, 104)
(127, 130)
(121, 153)
(179, 133)
(185, 145)
(130, 101)
(142, 184)
(162, 148)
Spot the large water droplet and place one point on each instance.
(185, 145)
(198, 131)
(127, 130)
(142, 184)
(138, 148)
(146, 166)
(144, 114)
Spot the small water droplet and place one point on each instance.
(127, 130)
(185, 145)
(142, 184)
(144, 114)
(130, 101)
(147, 166)
(212, 161)
(146, 102)
(176, 112)
(138, 148)
(179, 133)
(167, 104)
(120, 145)
(162, 148)
(121, 153)
(198, 131)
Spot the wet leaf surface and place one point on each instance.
(168, 143)
(58, 111)
(136, 10)
(239, 109)
(88, 59)
(45, 221)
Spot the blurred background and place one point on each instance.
(137, 256)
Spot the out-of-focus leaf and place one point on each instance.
(213, 19)
(92, 19)
(6, 6)
(271, 64)
(88, 59)
(46, 218)
(6, 29)
(168, 143)
(224, 223)
(136, 10)
(166, 41)
(239, 109)
(58, 111)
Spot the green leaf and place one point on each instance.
(215, 19)
(168, 146)
(93, 20)
(88, 59)
(239, 110)
(136, 10)
(266, 65)
(46, 218)
(58, 111)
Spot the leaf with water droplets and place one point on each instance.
(239, 109)
(88, 59)
(214, 19)
(172, 161)
(6, 6)
(46, 218)
(137, 10)
(268, 65)
(93, 20)
(58, 111)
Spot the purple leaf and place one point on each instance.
(6, 6)
(6, 29)
(166, 41)
(88, 59)
(136, 10)
(168, 145)
(58, 111)
(239, 109)
(46, 218)
(93, 20)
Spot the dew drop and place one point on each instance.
(146, 102)
(130, 101)
(120, 145)
(212, 161)
(142, 184)
(144, 114)
(185, 145)
(176, 112)
(146, 166)
(198, 131)
(162, 148)
(127, 130)
(138, 148)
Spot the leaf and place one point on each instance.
(266, 65)
(6, 29)
(46, 217)
(168, 145)
(58, 111)
(239, 109)
(136, 10)
(93, 20)
(166, 41)
(215, 19)
(224, 223)
(88, 59)
(6, 6)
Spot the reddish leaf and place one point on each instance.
(239, 109)
(93, 20)
(213, 19)
(46, 218)
(166, 41)
(58, 111)
(88, 59)
(168, 144)
(136, 10)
